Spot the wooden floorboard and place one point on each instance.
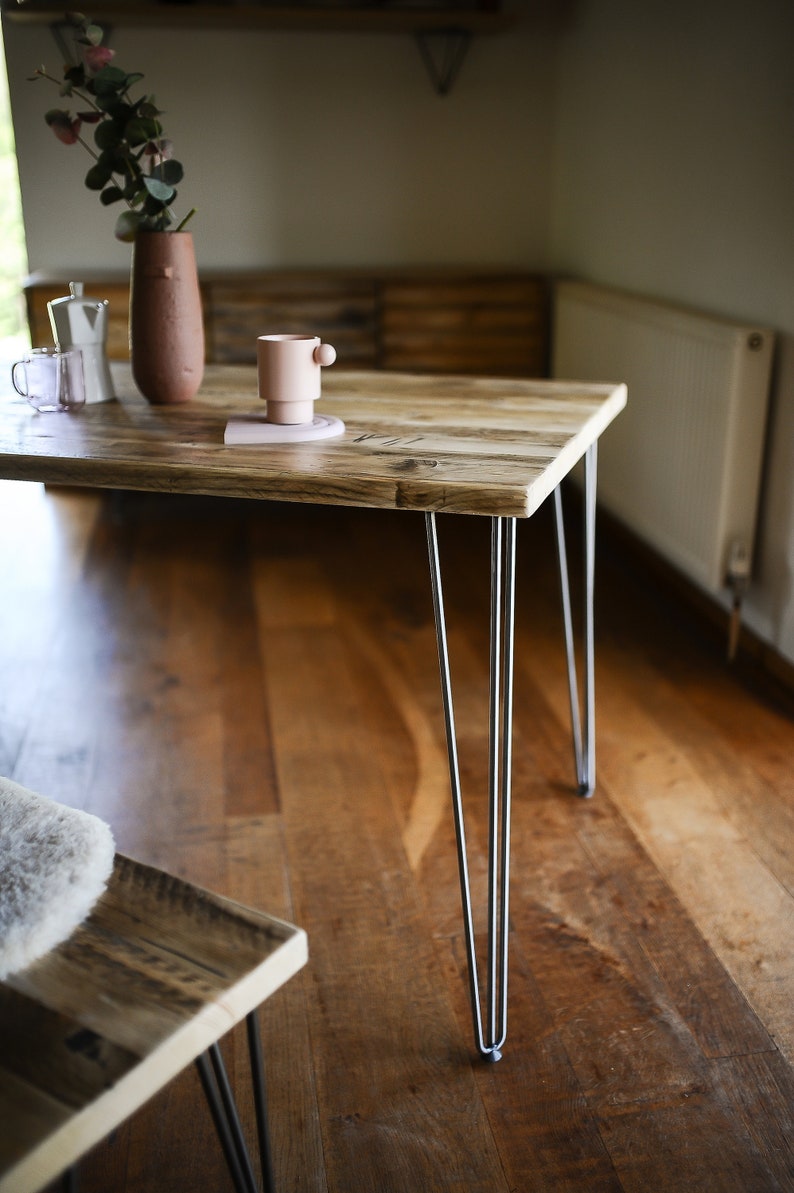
(249, 695)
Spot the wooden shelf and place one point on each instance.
(252, 16)
(442, 34)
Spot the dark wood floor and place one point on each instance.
(249, 696)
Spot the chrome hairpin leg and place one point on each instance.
(490, 1041)
(583, 734)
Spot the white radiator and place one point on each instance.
(682, 465)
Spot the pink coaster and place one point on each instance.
(254, 428)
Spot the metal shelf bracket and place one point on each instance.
(443, 51)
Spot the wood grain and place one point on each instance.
(493, 326)
(456, 444)
(341, 311)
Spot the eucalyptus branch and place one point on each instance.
(42, 73)
(88, 148)
(133, 162)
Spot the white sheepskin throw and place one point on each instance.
(54, 864)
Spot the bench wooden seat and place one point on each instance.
(149, 983)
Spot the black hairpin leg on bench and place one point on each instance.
(490, 1037)
(260, 1100)
(226, 1118)
(220, 1100)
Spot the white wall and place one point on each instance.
(674, 177)
(312, 149)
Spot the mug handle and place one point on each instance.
(324, 354)
(18, 365)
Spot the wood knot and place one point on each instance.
(413, 462)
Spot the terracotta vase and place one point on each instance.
(166, 324)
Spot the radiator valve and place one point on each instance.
(737, 579)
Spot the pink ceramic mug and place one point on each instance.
(289, 375)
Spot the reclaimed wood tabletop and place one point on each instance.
(470, 445)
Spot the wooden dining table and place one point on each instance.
(470, 446)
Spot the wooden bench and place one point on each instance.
(149, 983)
(442, 320)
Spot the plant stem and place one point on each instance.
(88, 148)
(80, 94)
(182, 222)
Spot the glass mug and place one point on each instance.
(53, 380)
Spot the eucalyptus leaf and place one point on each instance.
(138, 131)
(109, 103)
(93, 35)
(97, 178)
(159, 190)
(107, 135)
(112, 159)
(109, 80)
(127, 225)
(110, 194)
(170, 172)
(156, 208)
(107, 162)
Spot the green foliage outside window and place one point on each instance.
(13, 258)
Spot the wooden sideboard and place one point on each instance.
(441, 320)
